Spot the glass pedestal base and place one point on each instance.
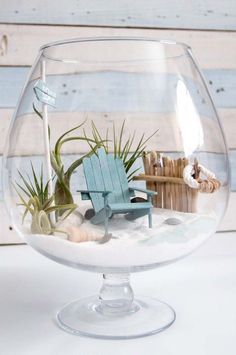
(146, 316)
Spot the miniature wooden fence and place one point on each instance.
(165, 175)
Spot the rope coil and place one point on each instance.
(191, 178)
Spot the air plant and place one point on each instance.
(38, 203)
(62, 193)
(126, 150)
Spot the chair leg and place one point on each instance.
(106, 220)
(150, 213)
(150, 219)
(101, 216)
(106, 214)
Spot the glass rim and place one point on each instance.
(165, 42)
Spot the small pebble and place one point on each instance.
(173, 221)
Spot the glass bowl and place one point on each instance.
(115, 163)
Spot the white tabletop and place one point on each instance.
(201, 288)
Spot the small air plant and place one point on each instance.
(126, 150)
(63, 194)
(39, 204)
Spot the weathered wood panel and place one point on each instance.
(199, 14)
(215, 162)
(222, 85)
(227, 117)
(228, 222)
(19, 44)
(215, 51)
(168, 138)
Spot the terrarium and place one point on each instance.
(115, 163)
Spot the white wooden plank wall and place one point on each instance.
(190, 14)
(208, 26)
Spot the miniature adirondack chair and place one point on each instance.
(109, 191)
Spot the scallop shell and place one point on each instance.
(83, 233)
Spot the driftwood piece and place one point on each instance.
(168, 188)
(172, 186)
(176, 186)
(153, 162)
(194, 191)
(146, 164)
(165, 176)
(159, 178)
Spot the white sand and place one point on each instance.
(136, 245)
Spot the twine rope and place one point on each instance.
(208, 185)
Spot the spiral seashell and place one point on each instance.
(62, 225)
(83, 233)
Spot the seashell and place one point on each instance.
(74, 219)
(83, 233)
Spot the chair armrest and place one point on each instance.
(148, 192)
(104, 193)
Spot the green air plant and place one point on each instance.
(34, 196)
(127, 150)
(63, 195)
(62, 187)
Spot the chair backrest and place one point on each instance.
(103, 172)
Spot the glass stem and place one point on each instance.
(116, 295)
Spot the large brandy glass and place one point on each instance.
(115, 163)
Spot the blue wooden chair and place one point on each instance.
(109, 191)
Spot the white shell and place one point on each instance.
(74, 219)
(83, 233)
